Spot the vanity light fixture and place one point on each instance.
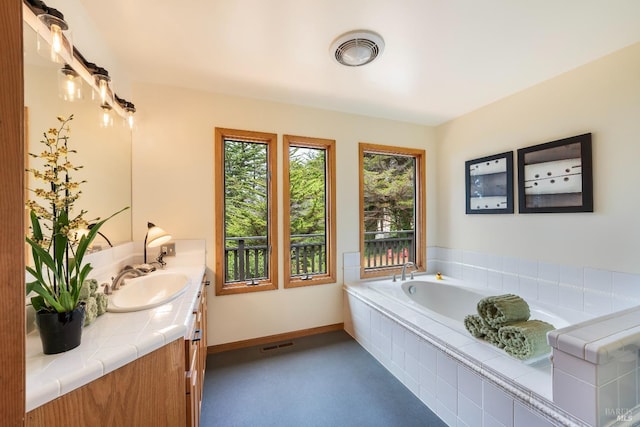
(155, 237)
(129, 110)
(69, 84)
(54, 42)
(57, 43)
(106, 116)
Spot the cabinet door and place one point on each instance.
(128, 396)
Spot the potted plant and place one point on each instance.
(58, 250)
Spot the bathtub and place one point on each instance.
(415, 329)
(449, 301)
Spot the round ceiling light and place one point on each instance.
(357, 48)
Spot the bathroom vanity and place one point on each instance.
(135, 368)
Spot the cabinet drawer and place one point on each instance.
(191, 352)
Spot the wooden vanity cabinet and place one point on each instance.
(145, 392)
(149, 391)
(196, 358)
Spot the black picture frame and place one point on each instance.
(489, 184)
(556, 177)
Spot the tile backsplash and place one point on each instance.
(594, 291)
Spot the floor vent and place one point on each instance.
(273, 347)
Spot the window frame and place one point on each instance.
(420, 203)
(330, 209)
(270, 140)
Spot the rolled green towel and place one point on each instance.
(102, 301)
(481, 330)
(525, 340)
(499, 310)
(475, 325)
(91, 310)
(491, 336)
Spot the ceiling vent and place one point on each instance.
(357, 48)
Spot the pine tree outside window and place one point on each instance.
(246, 213)
(309, 211)
(392, 209)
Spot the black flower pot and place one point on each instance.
(60, 332)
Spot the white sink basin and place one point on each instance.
(148, 291)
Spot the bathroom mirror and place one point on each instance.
(103, 153)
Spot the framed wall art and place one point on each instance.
(489, 184)
(556, 176)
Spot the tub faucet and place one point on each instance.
(403, 275)
(127, 271)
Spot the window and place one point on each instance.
(246, 213)
(392, 209)
(309, 211)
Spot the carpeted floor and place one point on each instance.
(322, 380)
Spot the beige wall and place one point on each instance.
(602, 97)
(173, 187)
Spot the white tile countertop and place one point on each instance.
(115, 339)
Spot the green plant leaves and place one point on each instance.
(58, 269)
(59, 278)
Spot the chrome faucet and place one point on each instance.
(403, 275)
(160, 260)
(127, 271)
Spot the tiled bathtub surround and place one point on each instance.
(597, 361)
(597, 391)
(610, 382)
(465, 382)
(594, 291)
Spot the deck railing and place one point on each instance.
(246, 258)
(388, 249)
(308, 254)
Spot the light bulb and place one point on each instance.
(106, 118)
(56, 39)
(71, 88)
(130, 110)
(56, 43)
(102, 80)
(69, 84)
(103, 89)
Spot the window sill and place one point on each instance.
(296, 282)
(243, 288)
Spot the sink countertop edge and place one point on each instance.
(112, 341)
